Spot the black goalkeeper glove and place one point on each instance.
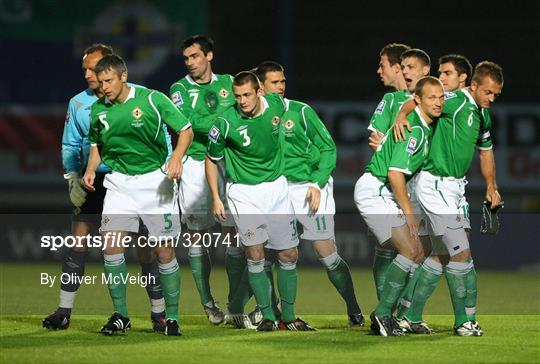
(490, 220)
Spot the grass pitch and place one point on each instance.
(509, 306)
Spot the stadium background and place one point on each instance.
(330, 54)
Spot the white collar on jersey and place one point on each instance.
(131, 95)
(469, 96)
(287, 102)
(264, 107)
(420, 116)
(190, 80)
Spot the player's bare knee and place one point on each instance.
(288, 255)
(463, 256)
(255, 252)
(165, 254)
(324, 248)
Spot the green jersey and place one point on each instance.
(310, 152)
(406, 156)
(252, 146)
(201, 103)
(133, 137)
(461, 127)
(387, 110)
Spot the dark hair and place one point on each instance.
(104, 49)
(244, 77)
(205, 42)
(488, 69)
(111, 62)
(426, 80)
(417, 53)
(461, 64)
(393, 52)
(267, 66)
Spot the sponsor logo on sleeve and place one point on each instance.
(411, 145)
(380, 107)
(67, 117)
(449, 95)
(213, 135)
(177, 99)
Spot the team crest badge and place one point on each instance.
(137, 113)
(289, 124)
(223, 93)
(249, 234)
(411, 145)
(275, 120)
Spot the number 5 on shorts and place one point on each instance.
(168, 221)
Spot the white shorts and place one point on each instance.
(319, 226)
(151, 197)
(195, 197)
(263, 212)
(378, 207)
(444, 203)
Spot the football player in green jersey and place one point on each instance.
(310, 159)
(381, 196)
(130, 126)
(414, 63)
(464, 126)
(455, 73)
(249, 137)
(202, 95)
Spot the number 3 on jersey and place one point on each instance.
(247, 139)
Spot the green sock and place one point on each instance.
(268, 265)
(287, 286)
(260, 285)
(242, 295)
(235, 265)
(428, 278)
(169, 274)
(404, 301)
(394, 283)
(201, 267)
(472, 292)
(381, 262)
(455, 275)
(340, 276)
(115, 269)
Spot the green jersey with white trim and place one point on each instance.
(132, 136)
(252, 146)
(461, 127)
(406, 156)
(387, 110)
(310, 152)
(201, 103)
